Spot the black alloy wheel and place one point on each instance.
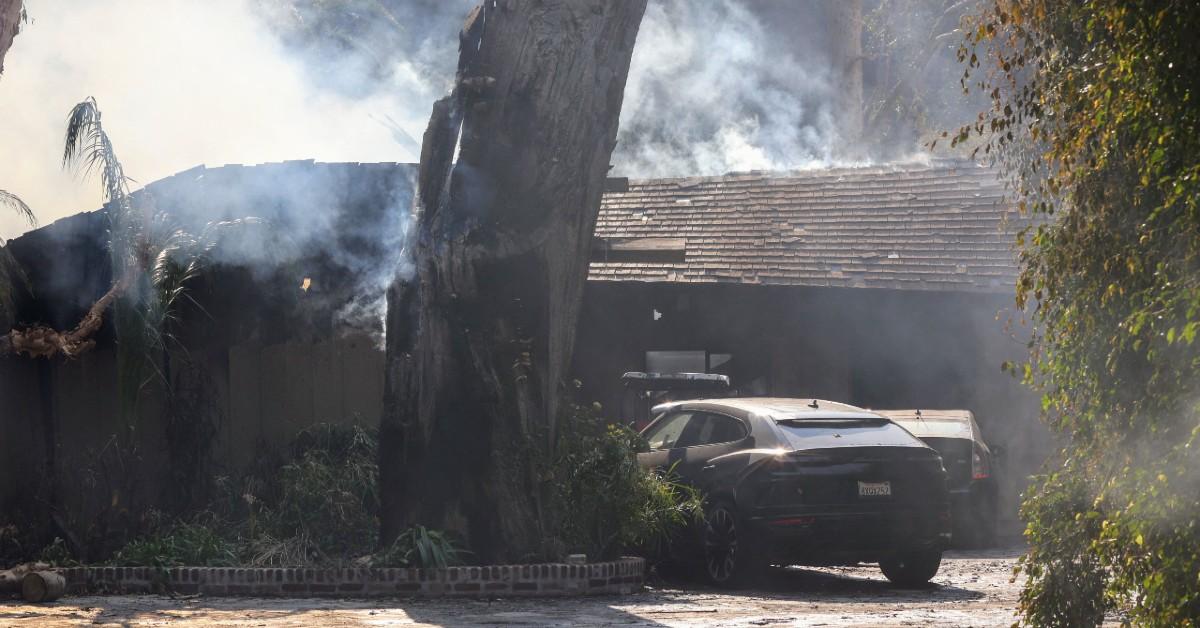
(723, 555)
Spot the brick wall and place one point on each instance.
(617, 577)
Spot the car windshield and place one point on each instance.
(821, 433)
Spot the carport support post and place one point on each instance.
(479, 340)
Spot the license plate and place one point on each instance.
(874, 489)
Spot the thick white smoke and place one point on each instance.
(711, 91)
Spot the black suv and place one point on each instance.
(804, 482)
(969, 463)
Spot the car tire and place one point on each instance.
(912, 569)
(730, 558)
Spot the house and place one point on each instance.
(883, 286)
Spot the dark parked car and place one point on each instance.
(804, 482)
(969, 463)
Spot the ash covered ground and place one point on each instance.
(971, 589)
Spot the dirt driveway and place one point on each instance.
(972, 589)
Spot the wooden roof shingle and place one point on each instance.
(944, 226)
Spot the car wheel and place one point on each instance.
(729, 559)
(912, 569)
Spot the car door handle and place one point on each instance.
(711, 467)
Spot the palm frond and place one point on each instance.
(15, 202)
(88, 147)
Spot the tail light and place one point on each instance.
(980, 469)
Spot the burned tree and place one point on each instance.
(10, 22)
(480, 338)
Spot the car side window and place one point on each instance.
(666, 433)
(727, 429)
(711, 429)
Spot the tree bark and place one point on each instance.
(10, 23)
(480, 339)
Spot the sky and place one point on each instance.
(180, 83)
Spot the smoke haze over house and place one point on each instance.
(184, 83)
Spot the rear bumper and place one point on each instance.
(844, 537)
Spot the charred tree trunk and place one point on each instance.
(10, 22)
(479, 340)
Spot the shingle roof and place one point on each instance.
(944, 226)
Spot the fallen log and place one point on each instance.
(11, 579)
(42, 586)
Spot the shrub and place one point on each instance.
(420, 547)
(181, 544)
(57, 554)
(328, 494)
(604, 502)
(317, 507)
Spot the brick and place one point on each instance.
(543, 579)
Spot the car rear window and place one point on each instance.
(822, 433)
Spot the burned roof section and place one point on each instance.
(944, 226)
(330, 233)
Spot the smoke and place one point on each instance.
(715, 86)
(712, 90)
(183, 83)
(334, 232)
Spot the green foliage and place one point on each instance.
(1094, 117)
(57, 554)
(181, 544)
(329, 491)
(317, 507)
(604, 503)
(420, 547)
